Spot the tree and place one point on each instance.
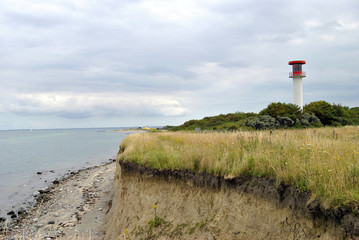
(354, 115)
(279, 109)
(190, 123)
(323, 110)
(235, 117)
(342, 114)
(341, 111)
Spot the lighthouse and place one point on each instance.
(297, 74)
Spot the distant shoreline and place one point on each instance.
(129, 130)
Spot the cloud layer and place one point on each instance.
(89, 105)
(168, 61)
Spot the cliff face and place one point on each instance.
(153, 204)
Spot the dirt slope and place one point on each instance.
(152, 204)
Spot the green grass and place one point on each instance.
(311, 159)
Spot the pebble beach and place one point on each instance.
(72, 208)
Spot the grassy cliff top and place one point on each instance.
(324, 161)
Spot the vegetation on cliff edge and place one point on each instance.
(324, 161)
(279, 115)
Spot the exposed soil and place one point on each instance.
(153, 204)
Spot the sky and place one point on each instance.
(122, 63)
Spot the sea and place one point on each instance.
(53, 153)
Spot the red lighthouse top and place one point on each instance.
(297, 69)
(296, 62)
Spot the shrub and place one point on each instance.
(309, 120)
(323, 110)
(282, 110)
(261, 122)
(354, 115)
(345, 121)
(340, 111)
(285, 122)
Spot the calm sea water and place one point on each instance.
(53, 152)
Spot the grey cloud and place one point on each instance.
(81, 105)
(209, 56)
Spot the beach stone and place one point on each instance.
(39, 225)
(56, 181)
(11, 212)
(59, 233)
(51, 222)
(49, 227)
(2, 219)
(69, 224)
(21, 212)
(41, 191)
(39, 173)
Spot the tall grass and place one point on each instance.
(324, 161)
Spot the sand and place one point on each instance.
(72, 209)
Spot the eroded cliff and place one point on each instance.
(152, 204)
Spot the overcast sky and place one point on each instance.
(108, 63)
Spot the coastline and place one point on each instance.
(72, 206)
(32, 160)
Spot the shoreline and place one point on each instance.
(69, 206)
(49, 182)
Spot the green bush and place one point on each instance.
(354, 115)
(278, 115)
(261, 122)
(307, 119)
(279, 109)
(285, 122)
(323, 110)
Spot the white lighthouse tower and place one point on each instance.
(297, 76)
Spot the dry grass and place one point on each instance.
(311, 159)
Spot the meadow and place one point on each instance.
(324, 161)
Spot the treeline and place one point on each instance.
(278, 115)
